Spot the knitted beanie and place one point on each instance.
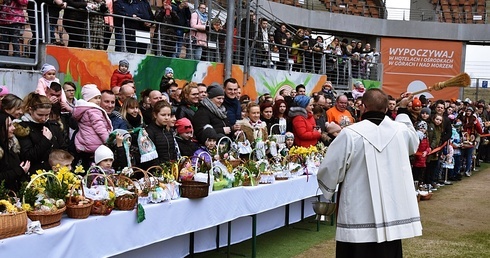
(183, 125)
(46, 68)
(425, 110)
(3, 90)
(89, 91)
(102, 153)
(124, 62)
(215, 90)
(302, 101)
(332, 127)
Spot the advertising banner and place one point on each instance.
(416, 64)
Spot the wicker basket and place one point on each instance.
(13, 224)
(149, 180)
(125, 202)
(48, 219)
(101, 207)
(76, 211)
(194, 189)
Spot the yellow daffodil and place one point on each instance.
(9, 208)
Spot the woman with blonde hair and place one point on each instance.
(131, 113)
(189, 101)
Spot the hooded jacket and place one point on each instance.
(94, 126)
(303, 127)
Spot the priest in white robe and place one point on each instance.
(377, 204)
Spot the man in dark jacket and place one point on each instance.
(231, 103)
(139, 9)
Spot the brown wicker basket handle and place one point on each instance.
(68, 201)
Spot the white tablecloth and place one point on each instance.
(168, 224)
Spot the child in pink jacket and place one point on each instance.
(44, 83)
(94, 125)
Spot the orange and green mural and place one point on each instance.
(84, 66)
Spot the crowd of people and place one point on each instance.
(176, 30)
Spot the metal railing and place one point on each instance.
(161, 39)
(17, 49)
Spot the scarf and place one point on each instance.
(134, 121)
(220, 112)
(257, 129)
(147, 148)
(203, 17)
(111, 141)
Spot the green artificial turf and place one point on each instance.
(283, 242)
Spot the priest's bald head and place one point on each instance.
(375, 100)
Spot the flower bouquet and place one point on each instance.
(45, 194)
(168, 180)
(299, 158)
(13, 218)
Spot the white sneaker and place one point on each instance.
(467, 173)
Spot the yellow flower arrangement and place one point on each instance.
(303, 151)
(9, 207)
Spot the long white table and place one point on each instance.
(168, 225)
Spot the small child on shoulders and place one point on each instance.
(121, 74)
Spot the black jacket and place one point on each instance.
(164, 143)
(187, 148)
(184, 110)
(204, 117)
(35, 147)
(11, 171)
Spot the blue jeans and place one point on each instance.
(196, 53)
(468, 155)
(178, 45)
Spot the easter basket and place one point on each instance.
(126, 201)
(13, 224)
(193, 189)
(47, 218)
(77, 206)
(102, 195)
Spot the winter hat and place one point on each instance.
(46, 68)
(358, 84)
(470, 108)
(416, 103)
(3, 90)
(422, 125)
(215, 90)
(289, 135)
(102, 153)
(183, 125)
(302, 101)
(332, 127)
(89, 91)
(209, 133)
(169, 70)
(425, 110)
(124, 62)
